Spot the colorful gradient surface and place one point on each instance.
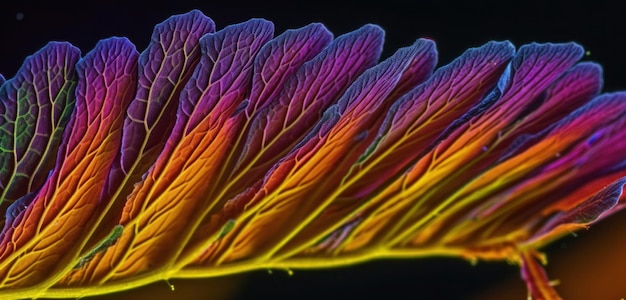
(217, 152)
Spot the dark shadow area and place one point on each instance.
(426, 278)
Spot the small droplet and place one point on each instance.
(170, 285)
(473, 261)
(289, 272)
(554, 282)
(19, 16)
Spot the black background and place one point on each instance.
(599, 27)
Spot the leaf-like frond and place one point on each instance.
(217, 152)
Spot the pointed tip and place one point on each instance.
(536, 278)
